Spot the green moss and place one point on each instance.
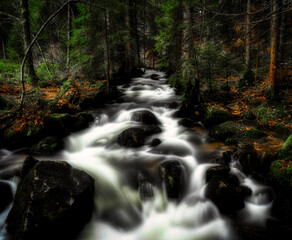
(228, 131)
(253, 133)
(47, 145)
(286, 150)
(215, 116)
(281, 171)
(266, 113)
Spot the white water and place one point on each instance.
(121, 213)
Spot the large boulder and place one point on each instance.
(145, 117)
(6, 195)
(224, 191)
(132, 137)
(53, 201)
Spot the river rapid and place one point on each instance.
(130, 209)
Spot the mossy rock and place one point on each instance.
(286, 150)
(253, 133)
(215, 116)
(48, 145)
(249, 115)
(228, 131)
(5, 104)
(281, 171)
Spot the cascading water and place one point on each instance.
(144, 212)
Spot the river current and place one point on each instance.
(146, 213)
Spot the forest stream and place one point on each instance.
(130, 198)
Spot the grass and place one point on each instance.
(9, 71)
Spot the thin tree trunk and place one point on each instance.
(106, 21)
(144, 34)
(27, 39)
(136, 34)
(129, 61)
(247, 41)
(272, 84)
(282, 35)
(258, 53)
(3, 49)
(69, 30)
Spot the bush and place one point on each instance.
(281, 171)
(215, 116)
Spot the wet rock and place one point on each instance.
(155, 142)
(6, 195)
(151, 129)
(155, 76)
(145, 117)
(227, 131)
(172, 173)
(172, 105)
(189, 123)
(145, 187)
(224, 191)
(83, 120)
(53, 201)
(132, 137)
(172, 148)
(217, 172)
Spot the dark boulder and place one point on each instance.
(6, 195)
(224, 191)
(189, 123)
(151, 129)
(145, 117)
(172, 148)
(155, 76)
(53, 201)
(155, 142)
(172, 174)
(172, 105)
(279, 230)
(132, 137)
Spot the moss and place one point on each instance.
(47, 145)
(215, 116)
(286, 150)
(266, 114)
(227, 131)
(253, 133)
(281, 171)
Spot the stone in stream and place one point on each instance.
(145, 117)
(172, 174)
(224, 191)
(154, 76)
(6, 195)
(132, 137)
(155, 142)
(53, 201)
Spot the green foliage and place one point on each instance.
(215, 116)
(281, 171)
(227, 131)
(253, 133)
(9, 70)
(14, 46)
(266, 113)
(286, 150)
(43, 74)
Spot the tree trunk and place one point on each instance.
(106, 21)
(272, 84)
(137, 34)
(3, 49)
(129, 60)
(27, 39)
(69, 30)
(247, 39)
(282, 38)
